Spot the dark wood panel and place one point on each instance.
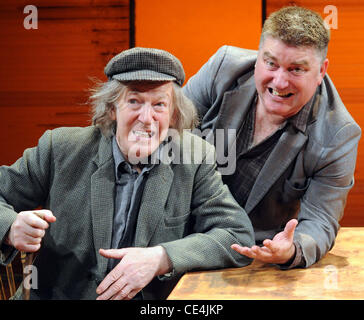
(45, 72)
(24, 126)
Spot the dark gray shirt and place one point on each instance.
(250, 158)
(129, 186)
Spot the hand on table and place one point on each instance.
(137, 267)
(279, 250)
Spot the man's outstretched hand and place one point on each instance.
(279, 250)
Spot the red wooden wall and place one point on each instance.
(45, 72)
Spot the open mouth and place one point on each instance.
(143, 134)
(280, 94)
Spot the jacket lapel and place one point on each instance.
(102, 200)
(281, 157)
(235, 105)
(156, 191)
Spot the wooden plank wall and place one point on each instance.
(45, 72)
(346, 68)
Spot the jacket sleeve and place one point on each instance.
(323, 203)
(23, 186)
(217, 222)
(226, 70)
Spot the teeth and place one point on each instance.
(276, 93)
(143, 134)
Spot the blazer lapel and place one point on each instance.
(235, 104)
(152, 204)
(234, 107)
(281, 157)
(102, 200)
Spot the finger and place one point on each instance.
(33, 232)
(123, 294)
(26, 242)
(240, 249)
(267, 249)
(46, 215)
(113, 276)
(290, 228)
(263, 254)
(115, 289)
(270, 245)
(29, 247)
(31, 219)
(115, 273)
(112, 253)
(26, 239)
(246, 251)
(132, 294)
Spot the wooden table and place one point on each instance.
(339, 275)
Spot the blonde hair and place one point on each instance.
(105, 95)
(298, 26)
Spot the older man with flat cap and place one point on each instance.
(129, 203)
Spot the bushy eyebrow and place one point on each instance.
(158, 97)
(300, 63)
(297, 63)
(266, 54)
(133, 92)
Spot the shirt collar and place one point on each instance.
(120, 161)
(300, 119)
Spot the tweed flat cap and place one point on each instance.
(145, 64)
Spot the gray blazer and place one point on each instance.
(184, 207)
(308, 174)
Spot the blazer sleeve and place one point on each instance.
(323, 203)
(23, 186)
(217, 222)
(228, 68)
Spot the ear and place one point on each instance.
(323, 70)
(112, 113)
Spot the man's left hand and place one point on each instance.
(279, 250)
(137, 267)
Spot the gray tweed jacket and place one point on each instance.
(184, 207)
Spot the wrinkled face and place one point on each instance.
(143, 115)
(286, 77)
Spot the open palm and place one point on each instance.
(279, 250)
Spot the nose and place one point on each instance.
(146, 114)
(280, 79)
